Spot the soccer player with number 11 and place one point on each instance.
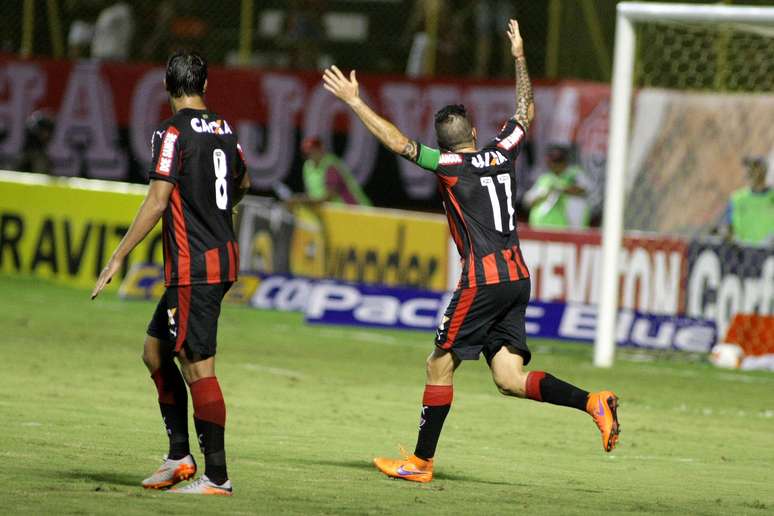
(486, 313)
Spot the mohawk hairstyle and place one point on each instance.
(452, 127)
(186, 74)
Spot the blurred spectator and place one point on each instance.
(34, 157)
(79, 39)
(556, 198)
(327, 178)
(113, 32)
(749, 216)
(83, 14)
(305, 33)
(491, 17)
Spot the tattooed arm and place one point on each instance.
(525, 106)
(347, 90)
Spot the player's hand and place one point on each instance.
(517, 45)
(339, 85)
(105, 276)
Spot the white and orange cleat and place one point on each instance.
(170, 473)
(205, 486)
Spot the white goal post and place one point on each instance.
(628, 14)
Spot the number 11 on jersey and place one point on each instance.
(503, 179)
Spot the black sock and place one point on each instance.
(542, 386)
(173, 403)
(212, 446)
(436, 404)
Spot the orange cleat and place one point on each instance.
(603, 407)
(409, 468)
(170, 473)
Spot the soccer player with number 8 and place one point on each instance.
(198, 175)
(487, 311)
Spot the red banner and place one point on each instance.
(106, 113)
(567, 267)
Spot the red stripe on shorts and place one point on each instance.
(183, 309)
(463, 307)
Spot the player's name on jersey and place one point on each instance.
(488, 159)
(200, 125)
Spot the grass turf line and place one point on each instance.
(309, 406)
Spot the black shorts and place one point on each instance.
(484, 319)
(188, 316)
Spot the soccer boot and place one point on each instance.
(171, 472)
(603, 407)
(205, 486)
(408, 468)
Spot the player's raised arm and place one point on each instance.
(525, 105)
(347, 90)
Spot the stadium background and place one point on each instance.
(248, 41)
(268, 52)
(676, 275)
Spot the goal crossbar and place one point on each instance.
(694, 13)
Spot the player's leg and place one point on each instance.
(196, 346)
(436, 402)
(512, 380)
(158, 356)
(507, 367)
(457, 339)
(209, 412)
(507, 354)
(172, 394)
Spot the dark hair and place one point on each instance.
(756, 162)
(557, 153)
(186, 74)
(452, 127)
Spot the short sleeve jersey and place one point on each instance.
(478, 191)
(198, 152)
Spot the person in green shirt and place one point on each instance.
(550, 197)
(749, 216)
(327, 178)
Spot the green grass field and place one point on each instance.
(308, 407)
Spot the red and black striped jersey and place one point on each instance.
(198, 152)
(478, 191)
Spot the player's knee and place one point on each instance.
(512, 385)
(439, 368)
(145, 358)
(151, 359)
(510, 389)
(431, 372)
(429, 365)
(195, 366)
(153, 353)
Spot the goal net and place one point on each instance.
(692, 126)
